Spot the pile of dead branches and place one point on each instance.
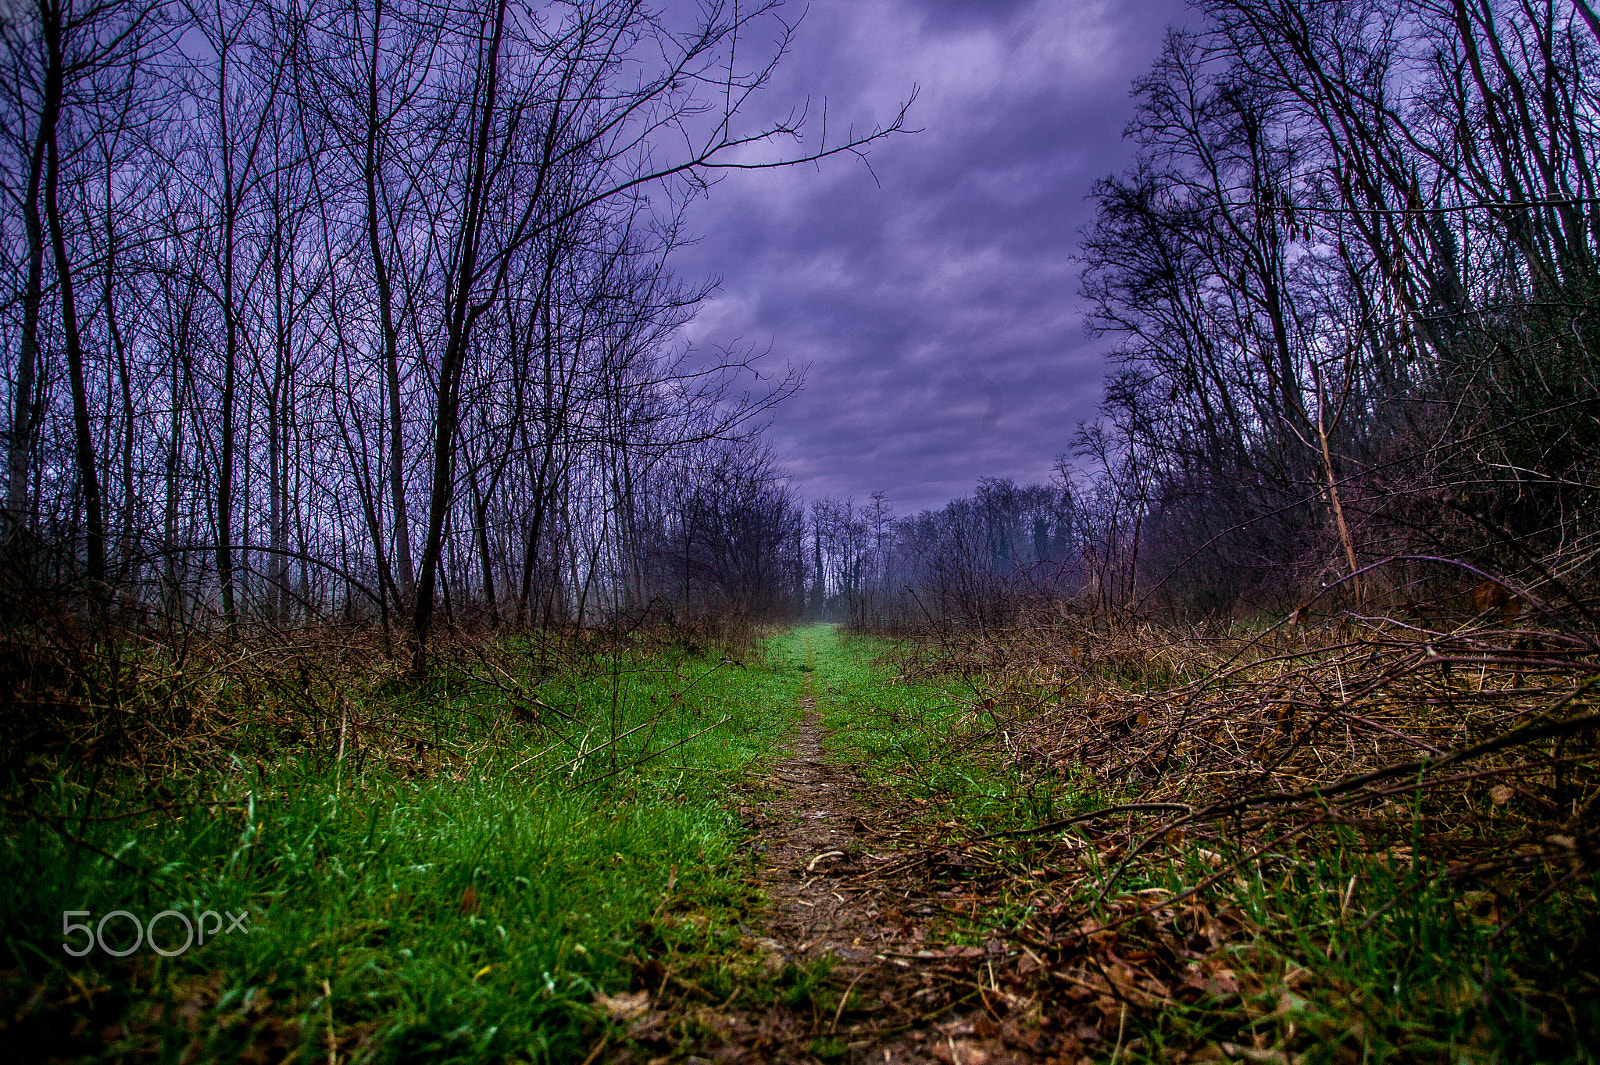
(1458, 748)
(1481, 739)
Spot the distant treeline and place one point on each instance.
(329, 310)
(974, 559)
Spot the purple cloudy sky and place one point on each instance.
(937, 308)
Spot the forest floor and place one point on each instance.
(821, 849)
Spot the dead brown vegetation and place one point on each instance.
(1373, 757)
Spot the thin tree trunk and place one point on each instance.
(82, 431)
(1345, 539)
(225, 459)
(480, 524)
(23, 412)
(402, 562)
(448, 411)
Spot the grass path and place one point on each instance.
(682, 856)
(853, 968)
(860, 996)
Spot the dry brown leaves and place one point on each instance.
(1471, 751)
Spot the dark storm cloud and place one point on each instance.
(937, 305)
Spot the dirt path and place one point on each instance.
(836, 899)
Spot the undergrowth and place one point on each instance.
(1267, 843)
(1175, 833)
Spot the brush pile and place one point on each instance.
(1345, 803)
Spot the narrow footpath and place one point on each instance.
(841, 904)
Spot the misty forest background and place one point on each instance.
(346, 383)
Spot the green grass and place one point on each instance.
(917, 739)
(466, 912)
(1393, 965)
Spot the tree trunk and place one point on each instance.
(461, 317)
(82, 430)
(402, 560)
(23, 412)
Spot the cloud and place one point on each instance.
(934, 296)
